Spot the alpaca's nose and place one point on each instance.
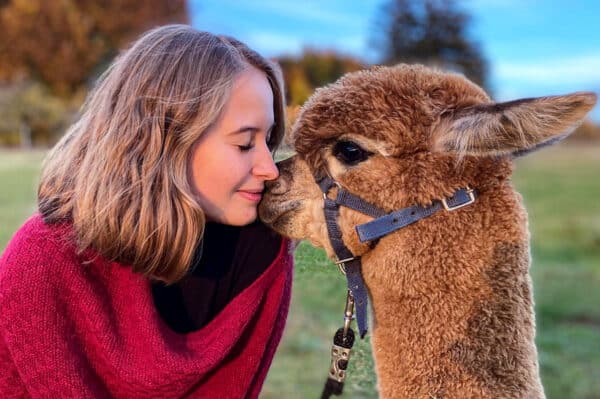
(280, 185)
(273, 186)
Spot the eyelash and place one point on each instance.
(245, 148)
(249, 146)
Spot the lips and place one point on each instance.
(251, 195)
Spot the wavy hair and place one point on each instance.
(120, 173)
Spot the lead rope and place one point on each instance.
(343, 340)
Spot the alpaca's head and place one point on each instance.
(405, 135)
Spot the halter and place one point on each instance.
(383, 224)
(350, 265)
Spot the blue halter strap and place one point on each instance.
(383, 224)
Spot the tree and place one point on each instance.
(52, 49)
(30, 114)
(312, 69)
(62, 42)
(431, 32)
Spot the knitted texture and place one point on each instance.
(79, 326)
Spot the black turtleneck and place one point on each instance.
(229, 260)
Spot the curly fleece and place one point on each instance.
(451, 294)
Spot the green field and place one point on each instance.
(561, 188)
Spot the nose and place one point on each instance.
(264, 166)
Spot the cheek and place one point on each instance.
(218, 173)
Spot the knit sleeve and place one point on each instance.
(11, 385)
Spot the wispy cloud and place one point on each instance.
(511, 4)
(576, 70)
(548, 77)
(274, 43)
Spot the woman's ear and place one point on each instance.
(511, 128)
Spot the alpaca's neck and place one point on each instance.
(454, 321)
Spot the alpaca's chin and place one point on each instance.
(279, 216)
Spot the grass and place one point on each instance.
(561, 190)
(19, 172)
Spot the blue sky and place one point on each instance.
(534, 47)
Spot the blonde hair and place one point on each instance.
(120, 173)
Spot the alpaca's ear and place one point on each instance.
(511, 128)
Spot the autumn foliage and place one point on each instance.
(62, 42)
(53, 50)
(312, 69)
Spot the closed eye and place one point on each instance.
(245, 148)
(350, 153)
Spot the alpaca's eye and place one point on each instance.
(349, 152)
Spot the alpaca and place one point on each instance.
(452, 310)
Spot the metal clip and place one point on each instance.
(340, 354)
(348, 313)
(339, 363)
(343, 340)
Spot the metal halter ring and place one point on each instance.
(341, 264)
(339, 186)
(452, 208)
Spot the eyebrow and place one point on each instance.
(250, 129)
(245, 129)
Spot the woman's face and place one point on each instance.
(231, 161)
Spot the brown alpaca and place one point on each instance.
(451, 293)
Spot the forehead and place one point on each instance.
(252, 81)
(250, 100)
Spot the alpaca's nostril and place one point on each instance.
(272, 184)
(275, 187)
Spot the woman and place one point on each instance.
(144, 274)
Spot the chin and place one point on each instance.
(235, 219)
(243, 220)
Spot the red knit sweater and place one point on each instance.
(80, 328)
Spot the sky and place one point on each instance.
(534, 48)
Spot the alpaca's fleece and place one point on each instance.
(451, 294)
